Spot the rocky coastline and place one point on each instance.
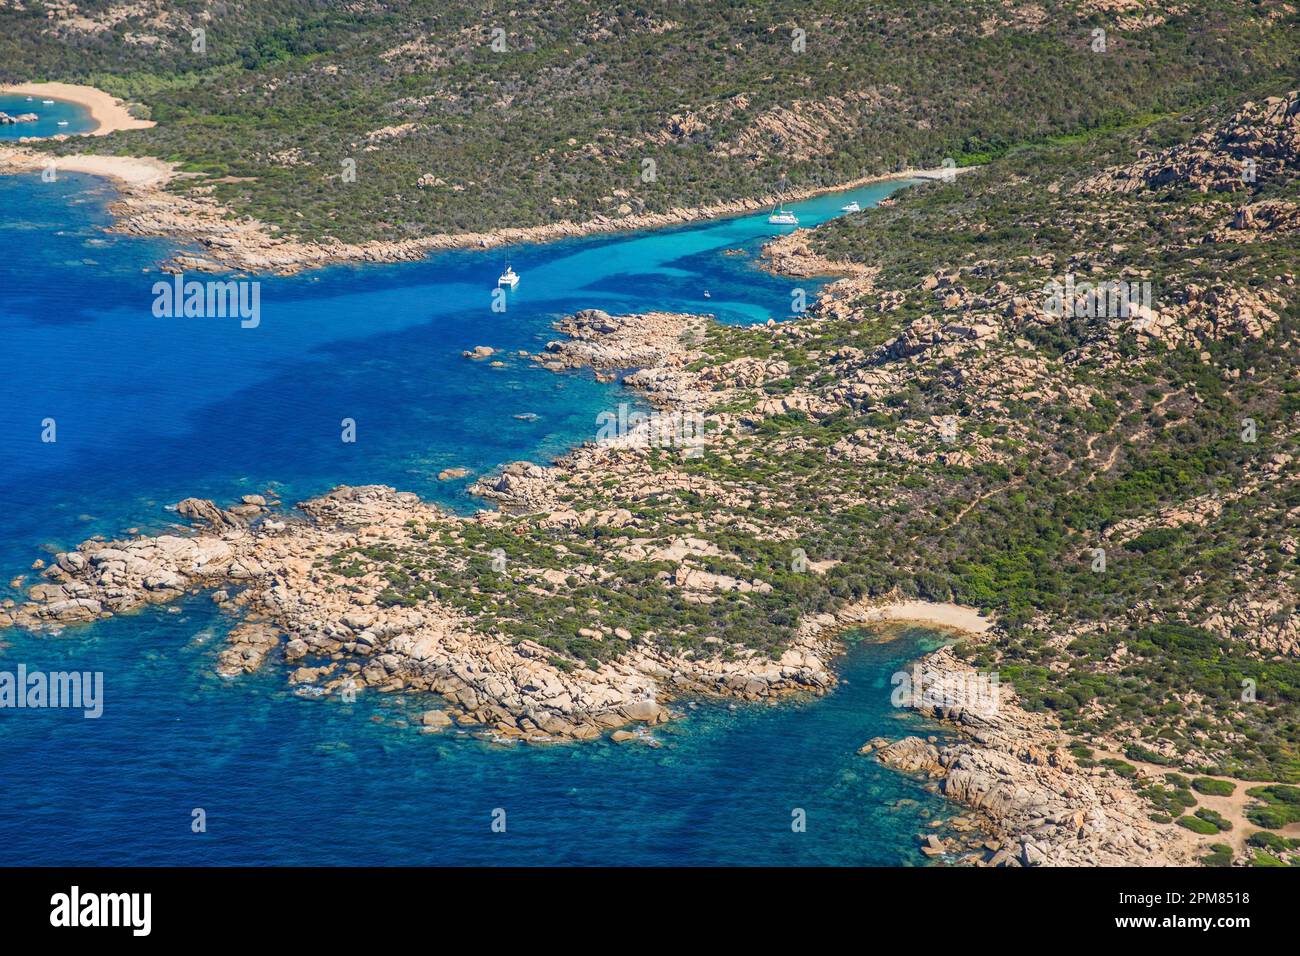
(342, 643)
(271, 569)
(791, 255)
(1030, 804)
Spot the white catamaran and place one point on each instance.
(509, 278)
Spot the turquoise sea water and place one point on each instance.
(151, 410)
(50, 115)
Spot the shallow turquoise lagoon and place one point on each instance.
(49, 116)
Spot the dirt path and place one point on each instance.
(1231, 808)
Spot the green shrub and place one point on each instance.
(1212, 817)
(1220, 855)
(1264, 840)
(1121, 767)
(1157, 539)
(1197, 825)
(1279, 806)
(1214, 788)
(1169, 801)
(1270, 818)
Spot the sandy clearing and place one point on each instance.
(132, 170)
(1232, 807)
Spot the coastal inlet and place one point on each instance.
(151, 411)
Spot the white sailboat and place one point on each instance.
(851, 207)
(782, 216)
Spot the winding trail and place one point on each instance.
(1064, 469)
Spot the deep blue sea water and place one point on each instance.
(151, 410)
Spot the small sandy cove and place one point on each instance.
(953, 617)
(108, 112)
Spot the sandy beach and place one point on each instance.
(954, 617)
(957, 618)
(108, 112)
(138, 171)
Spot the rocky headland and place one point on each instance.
(791, 255)
(1033, 805)
(189, 213)
(333, 623)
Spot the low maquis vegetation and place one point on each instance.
(460, 117)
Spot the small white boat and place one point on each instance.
(63, 122)
(509, 278)
(708, 294)
(851, 207)
(782, 217)
(48, 102)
